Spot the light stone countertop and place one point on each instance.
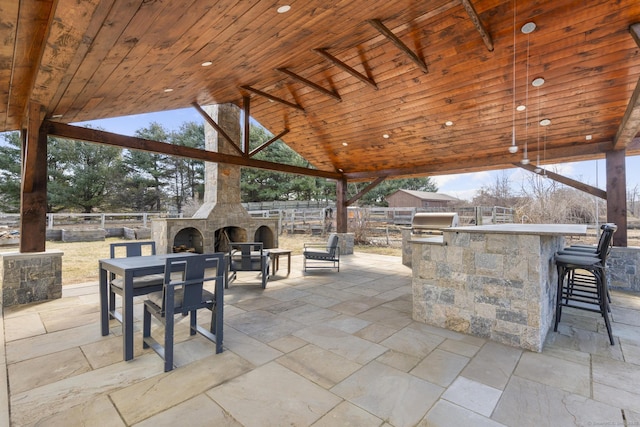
(536, 229)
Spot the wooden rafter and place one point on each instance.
(594, 191)
(323, 52)
(217, 127)
(630, 125)
(486, 37)
(378, 25)
(269, 142)
(366, 189)
(101, 137)
(309, 83)
(273, 98)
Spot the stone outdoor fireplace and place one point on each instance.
(222, 218)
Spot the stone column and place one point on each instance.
(30, 277)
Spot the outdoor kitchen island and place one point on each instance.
(492, 281)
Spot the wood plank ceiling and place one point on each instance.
(365, 87)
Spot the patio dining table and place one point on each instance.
(127, 268)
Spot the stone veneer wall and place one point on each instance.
(496, 286)
(30, 277)
(623, 265)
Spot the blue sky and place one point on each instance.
(463, 186)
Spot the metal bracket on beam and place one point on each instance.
(378, 25)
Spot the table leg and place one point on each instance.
(273, 263)
(104, 302)
(127, 318)
(288, 263)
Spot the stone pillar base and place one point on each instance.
(345, 243)
(30, 277)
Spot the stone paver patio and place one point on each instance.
(321, 349)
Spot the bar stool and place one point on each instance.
(582, 280)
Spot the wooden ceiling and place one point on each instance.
(364, 87)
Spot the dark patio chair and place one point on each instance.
(322, 256)
(582, 281)
(248, 256)
(186, 296)
(141, 285)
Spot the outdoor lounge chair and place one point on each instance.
(322, 256)
(248, 256)
(186, 295)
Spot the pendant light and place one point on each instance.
(527, 29)
(514, 148)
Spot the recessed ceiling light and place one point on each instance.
(284, 9)
(545, 122)
(56, 116)
(537, 82)
(341, 170)
(529, 27)
(168, 89)
(345, 144)
(588, 137)
(385, 135)
(448, 123)
(521, 107)
(207, 63)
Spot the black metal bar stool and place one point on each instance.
(582, 282)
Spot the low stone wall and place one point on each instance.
(89, 235)
(623, 265)
(30, 277)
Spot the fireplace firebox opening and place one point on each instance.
(264, 234)
(188, 240)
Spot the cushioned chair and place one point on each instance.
(186, 295)
(248, 256)
(322, 256)
(582, 281)
(141, 285)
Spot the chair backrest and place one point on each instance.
(195, 272)
(249, 260)
(605, 242)
(132, 249)
(332, 245)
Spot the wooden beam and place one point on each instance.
(378, 25)
(630, 125)
(101, 137)
(594, 191)
(342, 216)
(634, 29)
(273, 98)
(246, 105)
(269, 142)
(480, 163)
(30, 148)
(309, 83)
(217, 127)
(326, 55)
(486, 37)
(33, 203)
(617, 191)
(366, 189)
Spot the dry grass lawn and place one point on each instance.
(80, 260)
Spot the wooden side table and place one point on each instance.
(274, 254)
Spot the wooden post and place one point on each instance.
(341, 206)
(617, 195)
(33, 203)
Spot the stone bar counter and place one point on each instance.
(493, 281)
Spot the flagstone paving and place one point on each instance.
(319, 349)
